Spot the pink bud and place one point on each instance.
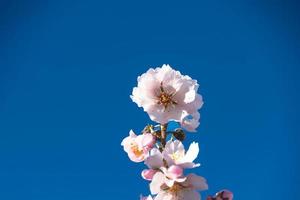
(175, 171)
(227, 194)
(224, 194)
(148, 174)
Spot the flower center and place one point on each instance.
(165, 98)
(135, 149)
(176, 156)
(175, 188)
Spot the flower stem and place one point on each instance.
(163, 129)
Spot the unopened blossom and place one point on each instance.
(186, 190)
(166, 94)
(222, 195)
(175, 154)
(138, 147)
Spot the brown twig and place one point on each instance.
(163, 130)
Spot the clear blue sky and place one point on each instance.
(67, 69)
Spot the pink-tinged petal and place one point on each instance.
(155, 160)
(195, 105)
(174, 172)
(189, 195)
(224, 194)
(148, 174)
(174, 146)
(196, 182)
(148, 141)
(189, 165)
(174, 154)
(156, 183)
(126, 142)
(227, 194)
(133, 146)
(162, 195)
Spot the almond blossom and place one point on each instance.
(148, 174)
(175, 154)
(166, 94)
(183, 190)
(138, 147)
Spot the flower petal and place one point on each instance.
(157, 181)
(155, 160)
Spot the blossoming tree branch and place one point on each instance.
(167, 95)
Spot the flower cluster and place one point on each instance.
(167, 95)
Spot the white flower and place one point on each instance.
(184, 190)
(167, 95)
(175, 154)
(138, 146)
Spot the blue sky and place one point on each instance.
(67, 69)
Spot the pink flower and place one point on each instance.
(184, 190)
(172, 175)
(167, 95)
(175, 154)
(138, 147)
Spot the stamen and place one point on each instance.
(164, 98)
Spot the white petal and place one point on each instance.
(155, 160)
(191, 153)
(189, 195)
(188, 165)
(190, 95)
(196, 182)
(157, 181)
(164, 196)
(191, 122)
(169, 182)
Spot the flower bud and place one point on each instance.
(148, 174)
(179, 134)
(225, 194)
